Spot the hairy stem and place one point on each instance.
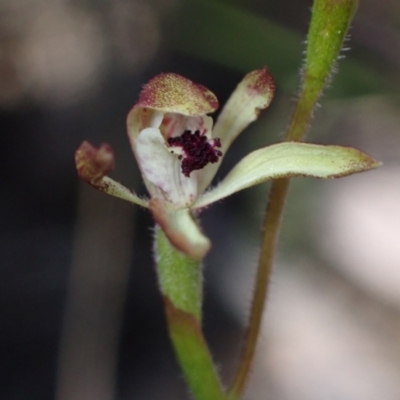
(329, 24)
(180, 279)
(270, 237)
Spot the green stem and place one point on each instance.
(330, 20)
(180, 279)
(302, 116)
(270, 237)
(329, 24)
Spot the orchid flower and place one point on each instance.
(179, 151)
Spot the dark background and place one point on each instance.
(80, 316)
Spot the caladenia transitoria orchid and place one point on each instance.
(178, 150)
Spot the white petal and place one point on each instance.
(156, 119)
(286, 160)
(162, 171)
(173, 125)
(176, 124)
(254, 93)
(202, 123)
(114, 188)
(181, 229)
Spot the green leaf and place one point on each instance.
(285, 160)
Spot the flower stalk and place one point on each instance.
(180, 280)
(330, 21)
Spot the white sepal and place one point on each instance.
(286, 160)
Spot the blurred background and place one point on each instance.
(80, 315)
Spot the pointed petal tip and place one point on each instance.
(94, 163)
(287, 160)
(376, 164)
(170, 92)
(181, 230)
(358, 161)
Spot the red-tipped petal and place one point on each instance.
(169, 92)
(253, 94)
(94, 163)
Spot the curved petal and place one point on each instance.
(174, 125)
(171, 92)
(94, 163)
(289, 159)
(181, 229)
(115, 189)
(253, 94)
(139, 119)
(161, 170)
